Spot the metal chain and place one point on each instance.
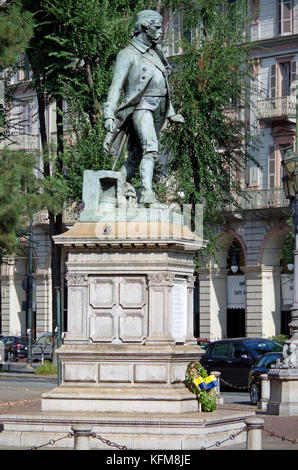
(52, 442)
(219, 443)
(109, 443)
(234, 386)
(282, 438)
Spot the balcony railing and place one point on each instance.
(261, 199)
(265, 199)
(251, 200)
(70, 216)
(24, 142)
(275, 108)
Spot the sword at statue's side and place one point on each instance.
(106, 146)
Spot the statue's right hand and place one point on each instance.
(109, 124)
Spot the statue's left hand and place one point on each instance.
(177, 118)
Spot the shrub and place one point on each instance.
(46, 369)
(281, 339)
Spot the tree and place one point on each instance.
(214, 73)
(21, 195)
(15, 31)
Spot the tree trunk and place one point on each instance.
(94, 106)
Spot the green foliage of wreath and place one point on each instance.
(207, 398)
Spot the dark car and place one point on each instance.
(261, 367)
(15, 347)
(234, 357)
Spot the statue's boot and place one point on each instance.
(128, 170)
(146, 173)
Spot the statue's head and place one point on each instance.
(149, 21)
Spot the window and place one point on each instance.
(221, 349)
(238, 351)
(273, 81)
(15, 116)
(272, 167)
(27, 70)
(175, 33)
(285, 19)
(27, 114)
(285, 76)
(258, 348)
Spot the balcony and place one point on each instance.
(277, 108)
(70, 216)
(27, 142)
(263, 202)
(264, 199)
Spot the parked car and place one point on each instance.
(260, 367)
(43, 347)
(203, 342)
(234, 357)
(15, 347)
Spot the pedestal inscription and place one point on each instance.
(179, 310)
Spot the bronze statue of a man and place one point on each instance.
(141, 72)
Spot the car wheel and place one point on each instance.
(254, 394)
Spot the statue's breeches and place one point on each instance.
(146, 127)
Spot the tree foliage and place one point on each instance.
(15, 167)
(16, 29)
(211, 77)
(22, 194)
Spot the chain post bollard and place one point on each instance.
(265, 392)
(82, 437)
(219, 399)
(254, 426)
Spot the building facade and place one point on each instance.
(256, 299)
(244, 289)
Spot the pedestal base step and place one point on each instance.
(137, 431)
(120, 400)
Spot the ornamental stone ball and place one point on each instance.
(141, 73)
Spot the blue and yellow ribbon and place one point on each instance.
(205, 384)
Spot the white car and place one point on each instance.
(43, 348)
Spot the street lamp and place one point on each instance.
(234, 264)
(30, 296)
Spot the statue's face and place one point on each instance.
(154, 31)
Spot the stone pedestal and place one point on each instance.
(283, 399)
(130, 333)
(130, 314)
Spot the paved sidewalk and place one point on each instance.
(280, 432)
